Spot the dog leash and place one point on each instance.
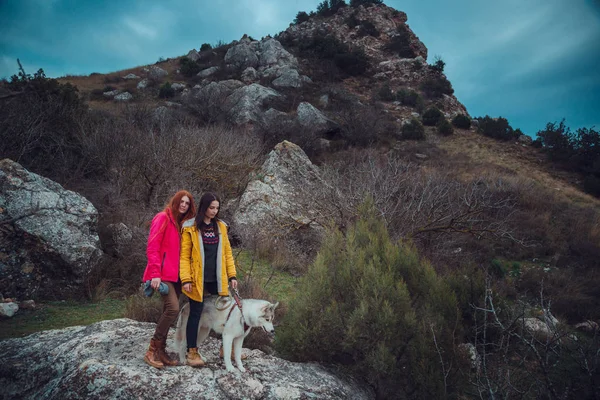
(238, 302)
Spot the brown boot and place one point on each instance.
(193, 359)
(151, 358)
(164, 356)
(232, 355)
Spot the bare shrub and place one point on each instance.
(527, 354)
(143, 309)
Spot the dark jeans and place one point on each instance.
(170, 311)
(191, 330)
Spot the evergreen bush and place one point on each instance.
(444, 127)
(497, 128)
(413, 130)
(187, 67)
(370, 304)
(461, 121)
(432, 116)
(166, 91)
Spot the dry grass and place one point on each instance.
(511, 158)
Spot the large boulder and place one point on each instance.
(314, 120)
(105, 361)
(48, 236)
(272, 53)
(245, 104)
(241, 56)
(278, 194)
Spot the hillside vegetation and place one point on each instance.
(445, 235)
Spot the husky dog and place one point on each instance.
(225, 317)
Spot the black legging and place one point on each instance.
(191, 330)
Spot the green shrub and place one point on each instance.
(461, 121)
(413, 130)
(410, 98)
(205, 47)
(444, 127)
(166, 91)
(187, 67)
(437, 86)
(370, 305)
(497, 128)
(438, 65)
(352, 21)
(385, 93)
(301, 17)
(432, 116)
(400, 44)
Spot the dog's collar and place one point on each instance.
(246, 326)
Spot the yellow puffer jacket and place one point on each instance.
(191, 260)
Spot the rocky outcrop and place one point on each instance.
(105, 361)
(156, 73)
(385, 19)
(48, 240)
(276, 192)
(273, 54)
(123, 97)
(314, 120)
(241, 56)
(245, 104)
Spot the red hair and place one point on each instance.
(172, 208)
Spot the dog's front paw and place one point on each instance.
(242, 369)
(230, 369)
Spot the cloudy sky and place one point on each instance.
(532, 62)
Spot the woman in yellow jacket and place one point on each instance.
(206, 265)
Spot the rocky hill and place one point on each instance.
(299, 133)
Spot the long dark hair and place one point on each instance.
(205, 201)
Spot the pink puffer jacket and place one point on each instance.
(163, 249)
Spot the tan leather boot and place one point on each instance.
(244, 356)
(163, 356)
(151, 358)
(193, 359)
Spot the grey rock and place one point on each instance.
(131, 76)
(52, 243)
(311, 118)
(588, 326)
(272, 53)
(324, 101)
(273, 193)
(193, 55)
(111, 94)
(143, 84)
(525, 139)
(205, 73)
(245, 104)
(7, 310)
(120, 235)
(241, 56)
(177, 86)
(105, 361)
(249, 75)
(156, 73)
(289, 78)
(125, 96)
(27, 305)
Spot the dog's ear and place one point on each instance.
(274, 306)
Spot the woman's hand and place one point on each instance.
(187, 287)
(234, 284)
(155, 283)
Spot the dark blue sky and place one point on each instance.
(532, 62)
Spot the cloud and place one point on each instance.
(139, 28)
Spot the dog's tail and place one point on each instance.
(180, 338)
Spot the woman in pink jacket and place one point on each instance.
(163, 268)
